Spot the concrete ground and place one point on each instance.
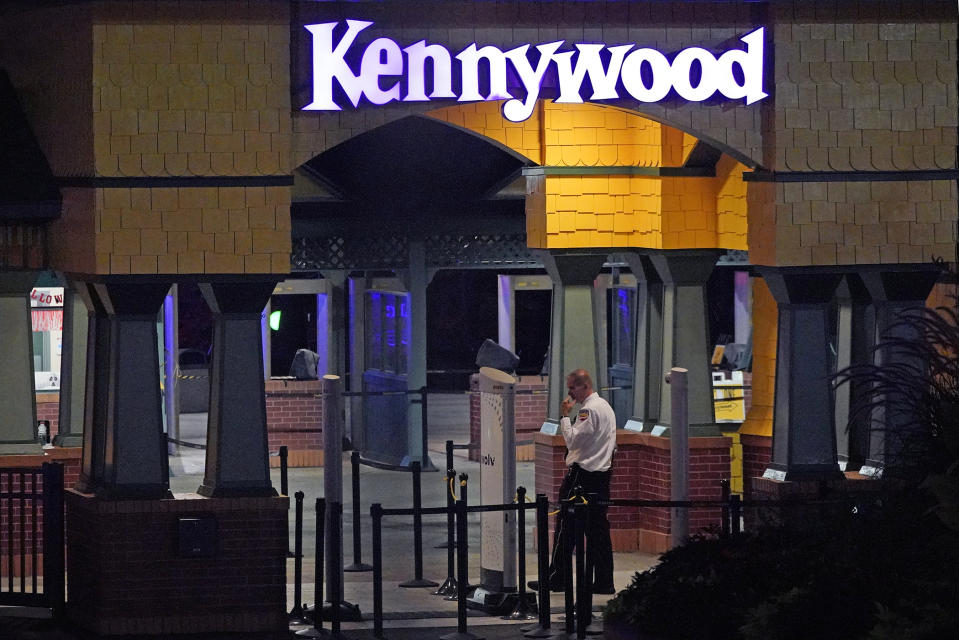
(408, 612)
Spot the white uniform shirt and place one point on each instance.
(592, 438)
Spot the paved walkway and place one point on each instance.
(408, 612)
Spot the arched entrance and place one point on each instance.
(602, 185)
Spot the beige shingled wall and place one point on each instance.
(201, 92)
(875, 95)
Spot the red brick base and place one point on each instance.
(126, 574)
(641, 471)
(294, 418)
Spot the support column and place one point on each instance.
(124, 446)
(18, 422)
(416, 280)
(648, 349)
(804, 431)
(895, 293)
(336, 323)
(686, 334)
(237, 456)
(357, 356)
(73, 368)
(855, 335)
(573, 336)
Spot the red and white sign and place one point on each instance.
(47, 319)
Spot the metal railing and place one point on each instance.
(32, 537)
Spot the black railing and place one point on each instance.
(32, 536)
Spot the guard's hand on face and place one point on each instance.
(566, 406)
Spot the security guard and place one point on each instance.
(590, 441)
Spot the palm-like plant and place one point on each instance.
(913, 384)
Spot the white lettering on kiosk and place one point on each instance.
(384, 66)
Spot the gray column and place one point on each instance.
(686, 334)
(573, 336)
(73, 368)
(237, 456)
(648, 349)
(18, 418)
(357, 327)
(895, 293)
(416, 280)
(336, 323)
(804, 431)
(124, 446)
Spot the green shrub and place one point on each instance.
(845, 578)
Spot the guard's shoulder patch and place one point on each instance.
(583, 414)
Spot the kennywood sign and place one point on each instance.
(388, 73)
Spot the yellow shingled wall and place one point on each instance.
(731, 223)
(613, 210)
(486, 118)
(759, 420)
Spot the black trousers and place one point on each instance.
(595, 486)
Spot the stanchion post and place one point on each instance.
(336, 553)
(449, 498)
(462, 568)
(417, 580)
(724, 488)
(542, 630)
(424, 430)
(376, 515)
(735, 512)
(317, 630)
(284, 486)
(583, 579)
(296, 613)
(449, 586)
(569, 526)
(679, 454)
(522, 609)
(284, 475)
(358, 564)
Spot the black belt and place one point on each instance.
(576, 466)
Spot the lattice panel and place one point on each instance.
(337, 252)
(392, 252)
(472, 251)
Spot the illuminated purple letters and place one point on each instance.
(384, 66)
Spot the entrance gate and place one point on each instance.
(31, 537)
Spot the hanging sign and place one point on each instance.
(47, 320)
(388, 73)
